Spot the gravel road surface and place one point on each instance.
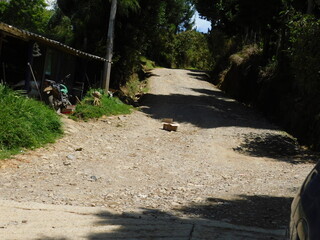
(226, 162)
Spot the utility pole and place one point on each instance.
(110, 37)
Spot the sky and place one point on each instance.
(201, 24)
(50, 2)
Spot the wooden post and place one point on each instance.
(110, 37)
(310, 7)
(27, 85)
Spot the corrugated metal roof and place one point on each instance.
(25, 35)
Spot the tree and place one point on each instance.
(26, 14)
(89, 19)
(60, 27)
(191, 50)
(143, 27)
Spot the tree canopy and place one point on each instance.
(143, 27)
(26, 14)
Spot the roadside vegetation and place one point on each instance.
(25, 123)
(92, 107)
(267, 55)
(147, 64)
(191, 51)
(158, 30)
(263, 53)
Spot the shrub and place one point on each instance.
(24, 122)
(192, 51)
(147, 64)
(108, 106)
(305, 52)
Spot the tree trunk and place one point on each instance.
(310, 7)
(107, 65)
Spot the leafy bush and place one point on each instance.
(28, 15)
(305, 52)
(24, 122)
(135, 87)
(108, 106)
(147, 64)
(221, 48)
(192, 51)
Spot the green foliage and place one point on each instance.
(161, 21)
(234, 16)
(109, 106)
(192, 51)
(305, 52)
(26, 14)
(143, 28)
(25, 123)
(287, 68)
(206, 9)
(221, 47)
(60, 27)
(127, 6)
(4, 154)
(147, 64)
(134, 87)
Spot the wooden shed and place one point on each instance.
(26, 56)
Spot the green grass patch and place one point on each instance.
(25, 123)
(108, 106)
(134, 87)
(147, 64)
(6, 154)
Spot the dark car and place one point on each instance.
(305, 209)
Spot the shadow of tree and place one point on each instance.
(260, 211)
(208, 92)
(199, 75)
(199, 220)
(149, 74)
(280, 146)
(210, 109)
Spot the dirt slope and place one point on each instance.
(225, 162)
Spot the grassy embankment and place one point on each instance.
(121, 102)
(25, 123)
(107, 106)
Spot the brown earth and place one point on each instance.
(225, 162)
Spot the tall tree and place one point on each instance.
(89, 19)
(60, 27)
(142, 27)
(27, 14)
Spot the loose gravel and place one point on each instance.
(225, 162)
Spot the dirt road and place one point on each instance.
(225, 162)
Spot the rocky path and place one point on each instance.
(225, 162)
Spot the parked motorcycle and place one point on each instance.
(57, 94)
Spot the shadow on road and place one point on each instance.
(258, 211)
(210, 109)
(202, 107)
(199, 75)
(280, 146)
